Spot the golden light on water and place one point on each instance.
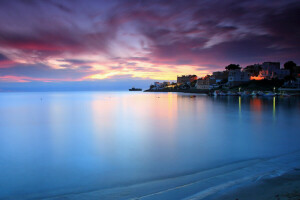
(274, 107)
(240, 104)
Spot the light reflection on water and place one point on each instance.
(89, 140)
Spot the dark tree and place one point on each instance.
(232, 67)
(290, 65)
(193, 84)
(223, 81)
(253, 69)
(289, 78)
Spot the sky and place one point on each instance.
(122, 43)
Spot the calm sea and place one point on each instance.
(56, 143)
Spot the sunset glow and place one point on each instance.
(139, 40)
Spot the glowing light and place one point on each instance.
(257, 78)
(240, 104)
(274, 107)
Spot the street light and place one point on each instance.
(239, 89)
(274, 89)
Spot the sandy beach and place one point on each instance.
(285, 187)
(276, 178)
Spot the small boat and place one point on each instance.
(135, 89)
(232, 94)
(219, 93)
(192, 96)
(222, 94)
(254, 94)
(269, 94)
(245, 93)
(284, 95)
(260, 93)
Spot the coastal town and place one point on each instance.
(266, 79)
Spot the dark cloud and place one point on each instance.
(5, 61)
(283, 25)
(139, 58)
(61, 6)
(76, 61)
(86, 67)
(131, 64)
(169, 32)
(41, 43)
(50, 28)
(116, 67)
(65, 65)
(143, 69)
(217, 32)
(41, 71)
(3, 57)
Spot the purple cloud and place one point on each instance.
(41, 71)
(208, 34)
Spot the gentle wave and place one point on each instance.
(199, 185)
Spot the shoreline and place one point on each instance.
(232, 181)
(199, 91)
(284, 187)
(196, 91)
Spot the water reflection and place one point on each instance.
(274, 108)
(240, 105)
(96, 140)
(256, 104)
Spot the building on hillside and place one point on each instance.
(267, 70)
(220, 76)
(265, 74)
(237, 77)
(281, 73)
(186, 79)
(166, 83)
(272, 70)
(157, 84)
(270, 66)
(206, 83)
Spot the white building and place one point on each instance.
(157, 84)
(220, 76)
(272, 70)
(237, 77)
(270, 66)
(206, 83)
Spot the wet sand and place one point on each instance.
(285, 187)
(275, 178)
